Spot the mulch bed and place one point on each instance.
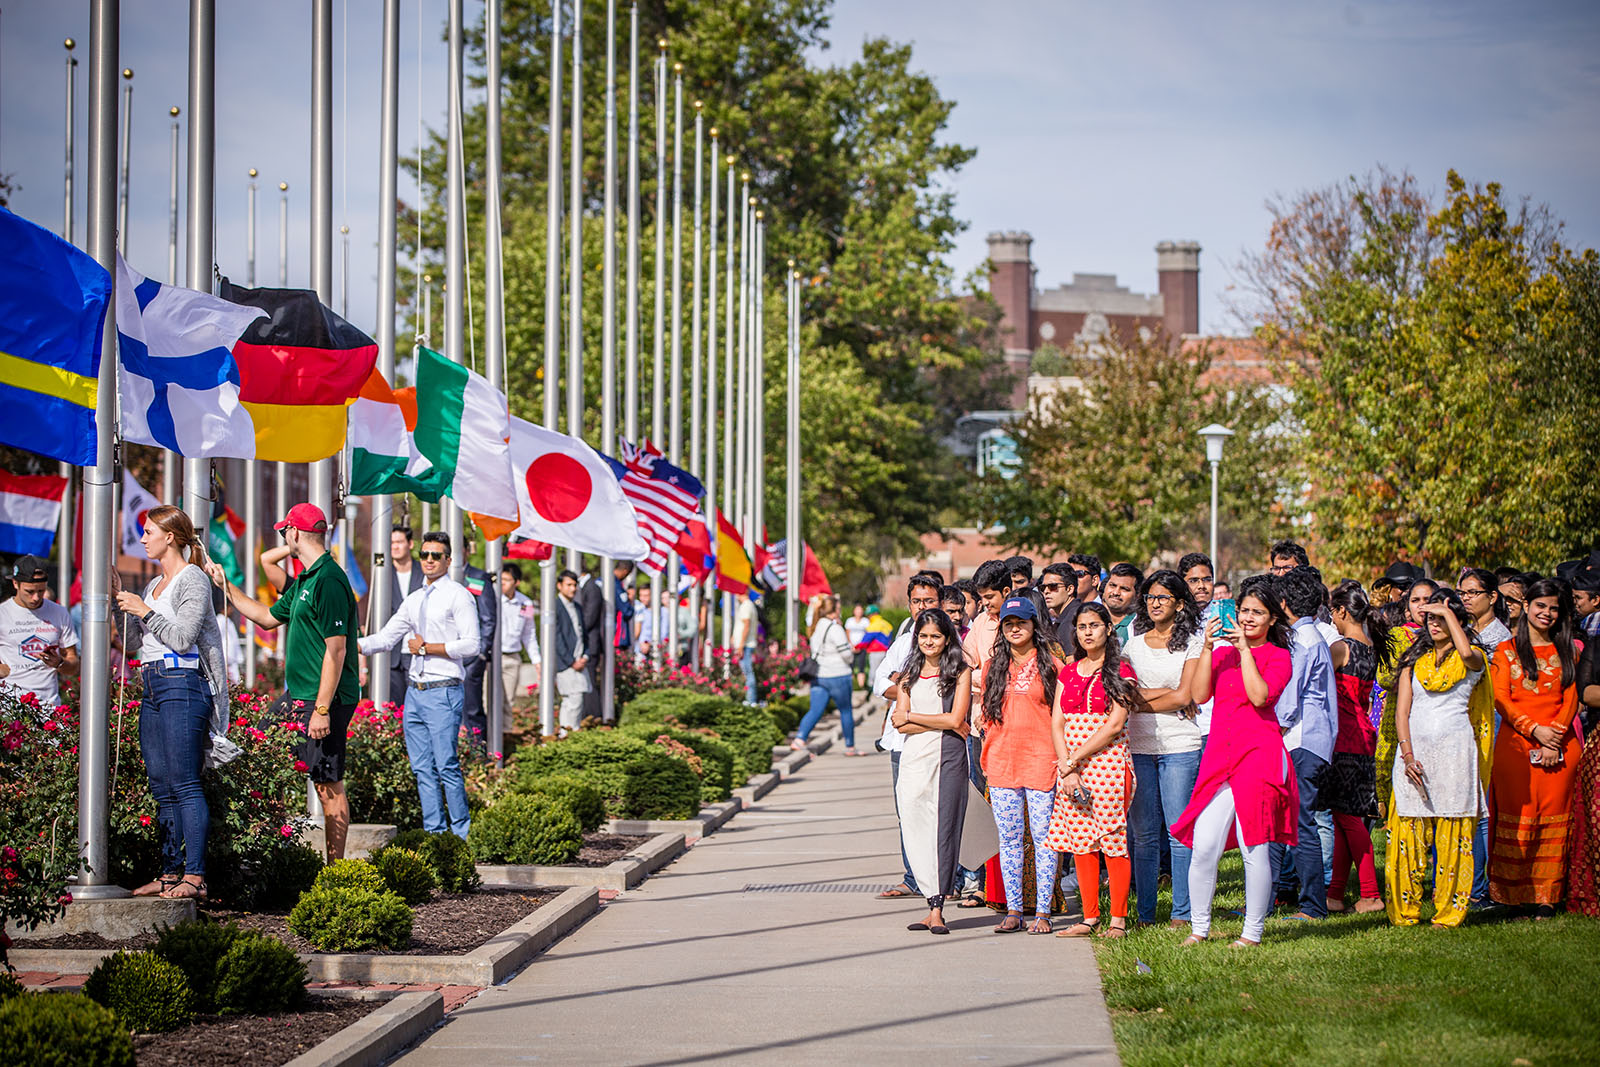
(451, 924)
(601, 848)
(269, 1040)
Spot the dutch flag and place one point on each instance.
(30, 507)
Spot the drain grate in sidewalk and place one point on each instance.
(818, 887)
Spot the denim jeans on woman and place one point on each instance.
(1164, 784)
(174, 729)
(837, 690)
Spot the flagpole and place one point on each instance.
(711, 394)
(791, 613)
(657, 382)
(675, 381)
(494, 338)
(321, 472)
(741, 502)
(455, 276)
(388, 166)
(575, 256)
(552, 364)
(197, 492)
(281, 484)
(127, 161)
(729, 434)
(252, 468)
(758, 392)
(696, 380)
(608, 354)
(94, 729)
(64, 527)
(630, 397)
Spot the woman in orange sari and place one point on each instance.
(1536, 753)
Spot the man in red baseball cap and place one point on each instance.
(321, 683)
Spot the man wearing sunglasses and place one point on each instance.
(320, 667)
(439, 626)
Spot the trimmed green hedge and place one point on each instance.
(446, 853)
(716, 758)
(145, 992)
(60, 1030)
(580, 796)
(526, 828)
(636, 779)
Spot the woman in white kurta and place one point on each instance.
(935, 692)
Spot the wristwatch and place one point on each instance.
(320, 709)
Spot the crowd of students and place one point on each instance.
(1143, 724)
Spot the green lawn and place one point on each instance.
(1355, 990)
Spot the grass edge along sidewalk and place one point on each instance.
(1354, 989)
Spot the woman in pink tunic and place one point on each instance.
(1245, 795)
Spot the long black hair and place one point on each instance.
(1350, 596)
(1186, 617)
(1118, 690)
(950, 663)
(998, 674)
(1560, 633)
(1043, 636)
(1264, 587)
(1424, 643)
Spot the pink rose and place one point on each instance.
(287, 830)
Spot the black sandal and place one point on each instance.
(163, 883)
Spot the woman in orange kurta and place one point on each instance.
(1535, 754)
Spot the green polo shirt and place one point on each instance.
(317, 605)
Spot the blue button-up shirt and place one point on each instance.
(1309, 706)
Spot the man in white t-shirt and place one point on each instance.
(38, 645)
(745, 627)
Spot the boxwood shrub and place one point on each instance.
(526, 828)
(636, 779)
(446, 853)
(405, 873)
(351, 874)
(716, 758)
(259, 975)
(61, 1030)
(580, 796)
(351, 920)
(145, 992)
(750, 732)
(196, 947)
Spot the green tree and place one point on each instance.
(851, 166)
(1114, 467)
(1441, 358)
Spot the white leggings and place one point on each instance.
(1210, 841)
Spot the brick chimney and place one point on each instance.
(1178, 268)
(1011, 284)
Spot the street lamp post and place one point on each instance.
(1215, 436)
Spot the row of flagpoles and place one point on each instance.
(726, 308)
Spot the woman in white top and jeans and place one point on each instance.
(185, 682)
(1164, 737)
(831, 648)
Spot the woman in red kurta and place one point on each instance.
(1535, 755)
(1245, 794)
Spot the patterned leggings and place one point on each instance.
(1009, 806)
(1405, 866)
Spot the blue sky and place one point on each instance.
(1100, 128)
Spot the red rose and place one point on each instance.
(301, 766)
(144, 820)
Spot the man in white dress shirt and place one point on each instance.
(517, 620)
(439, 624)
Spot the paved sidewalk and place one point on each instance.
(696, 967)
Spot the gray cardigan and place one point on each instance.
(193, 623)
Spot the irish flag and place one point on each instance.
(453, 441)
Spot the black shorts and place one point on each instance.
(324, 759)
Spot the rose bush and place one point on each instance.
(257, 801)
(777, 676)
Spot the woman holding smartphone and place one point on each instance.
(1096, 772)
(1246, 793)
(185, 689)
(1536, 753)
(931, 790)
(1443, 719)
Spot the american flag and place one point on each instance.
(664, 497)
(775, 574)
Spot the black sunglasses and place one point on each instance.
(433, 555)
(1051, 587)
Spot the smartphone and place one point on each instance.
(1227, 615)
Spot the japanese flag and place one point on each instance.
(569, 496)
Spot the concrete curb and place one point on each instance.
(379, 1034)
(486, 965)
(618, 875)
(711, 816)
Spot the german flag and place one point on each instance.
(299, 369)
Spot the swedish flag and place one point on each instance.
(52, 308)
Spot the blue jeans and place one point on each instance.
(174, 729)
(432, 723)
(747, 663)
(836, 689)
(1164, 784)
(1307, 861)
